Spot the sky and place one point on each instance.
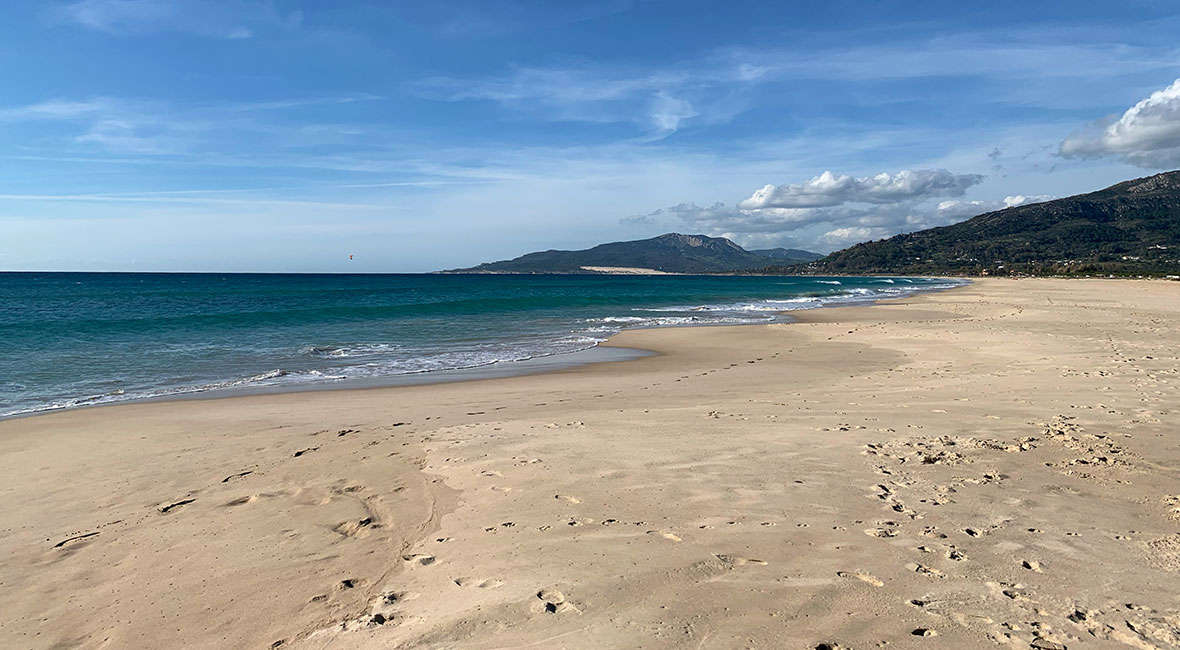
(287, 136)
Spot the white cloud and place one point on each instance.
(1020, 199)
(830, 189)
(843, 237)
(668, 112)
(956, 209)
(1146, 135)
(227, 19)
(831, 211)
(135, 126)
(1028, 69)
(53, 110)
(820, 229)
(659, 102)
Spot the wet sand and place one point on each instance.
(997, 465)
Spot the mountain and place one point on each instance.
(670, 253)
(788, 255)
(1129, 228)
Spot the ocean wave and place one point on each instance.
(302, 363)
(347, 351)
(617, 319)
(121, 395)
(755, 306)
(813, 299)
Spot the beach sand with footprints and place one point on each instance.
(992, 466)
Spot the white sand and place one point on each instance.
(994, 465)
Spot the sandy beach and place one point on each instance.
(996, 465)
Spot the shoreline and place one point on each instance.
(979, 464)
(501, 369)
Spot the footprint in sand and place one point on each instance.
(1032, 565)
(489, 583)
(666, 534)
(165, 509)
(880, 532)
(554, 602)
(419, 559)
(924, 570)
(733, 560)
(567, 498)
(394, 597)
(355, 528)
(1172, 503)
(75, 538)
(242, 501)
(951, 552)
(1017, 592)
(863, 577)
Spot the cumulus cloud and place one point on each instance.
(1146, 135)
(830, 189)
(843, 237)
(956, 209)
(832, 211)
(823, 228)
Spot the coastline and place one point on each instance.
(741, 486)
(599, 352)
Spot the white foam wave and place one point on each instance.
(617, 319)
(348, 351)
(757, 306)
(375, 360)
(122, 395)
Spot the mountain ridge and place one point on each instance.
(667, 253)
(1132, 227)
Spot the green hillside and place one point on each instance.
(1129, 228)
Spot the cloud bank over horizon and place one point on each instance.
(831, 211)
(830, 189)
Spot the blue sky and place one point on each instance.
(254, 135)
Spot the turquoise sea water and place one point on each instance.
(73, 339)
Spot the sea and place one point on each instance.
(69, 340)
